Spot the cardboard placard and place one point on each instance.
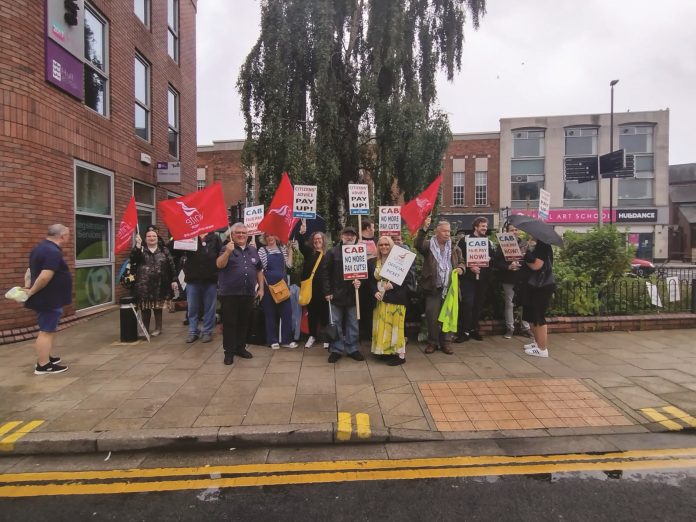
(304, 202)
(252, 218)
(354, 261)
(390, 221)
(477, 251)
(510, 247)
(544, 204)
(397, 265)
(190, 245)
(358, 200)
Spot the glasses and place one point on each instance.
(240, 233)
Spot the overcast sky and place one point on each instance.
(529, 58)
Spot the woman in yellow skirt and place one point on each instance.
(390, 311)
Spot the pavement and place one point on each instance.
(168, 394)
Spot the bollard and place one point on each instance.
(129, 323)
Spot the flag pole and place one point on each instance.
(357, 294)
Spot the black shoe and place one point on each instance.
(54, 360)
(334, 356)
(476, 336)
(396, 361)
(244, 354)
(356, 356)
(229, 359)
(48, 368)
(461, 339)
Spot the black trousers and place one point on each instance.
(236, 313)
(473, 298)
(367, 306)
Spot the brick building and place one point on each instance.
(94, 93)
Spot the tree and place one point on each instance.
(336, 88)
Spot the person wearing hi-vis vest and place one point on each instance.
(313, 250)
(440, 258)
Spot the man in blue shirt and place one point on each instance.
(50, 291)
(240, 274)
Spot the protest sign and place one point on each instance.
(510, 247)
(390, 221)
(477, 251)
(359, 201)
(654, 294)
(397, 265)
(673, 289)
(252, 218)
(544, 204)
(304, 201)
(354, 261)
(190, 245)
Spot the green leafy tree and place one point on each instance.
(336, 88)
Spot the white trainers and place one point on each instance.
(275, 346)
(537, 352)
(326, 345)
(310, 342)
(293, 344)
(530, 346)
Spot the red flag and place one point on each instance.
(278, 220)
(415, 211)
(127, 227)
(196, 213)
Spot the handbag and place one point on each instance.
(126, 276)
(331, 329)
(306, 285)
(279, 291)
(542, 277)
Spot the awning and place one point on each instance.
(682, 193)
(689, 213)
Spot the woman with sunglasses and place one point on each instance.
(390, 311)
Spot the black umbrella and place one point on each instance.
(537, 229)
(313, 225)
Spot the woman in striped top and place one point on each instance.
(276, 259)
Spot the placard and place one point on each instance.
(304, 201)
(397, 265)
(673, 289)
(390, 221)
(190, 245)
(654, 294)
(252, 218)
(477, 251)
(354, 261)
(544, 204)
(358, 200)
(510, 247)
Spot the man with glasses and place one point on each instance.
(240, 279)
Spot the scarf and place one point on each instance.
(444, 263)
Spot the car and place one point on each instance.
(642, 267)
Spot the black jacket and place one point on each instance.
(200, 265)
(485, 272)
(397, 295)
(505, 275)
(332, 278)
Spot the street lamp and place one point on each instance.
(611, 149)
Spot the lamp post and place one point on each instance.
(611, 149)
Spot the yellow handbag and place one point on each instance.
(306, 286)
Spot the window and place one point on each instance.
(638, 140)
(527, 167)
(580, 142)
(481, 188)
(457, 188)
(173, 29)
(142, 97)
(96, 69)
(93, 236)
(142, 11)
(200, 178)
(173, 121)
(144, 204)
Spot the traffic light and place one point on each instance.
(71, 9)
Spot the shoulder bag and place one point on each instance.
(279, 291)
(306, 285)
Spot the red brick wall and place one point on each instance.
(42, 129)
(225, 166)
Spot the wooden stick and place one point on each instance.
(357, 303)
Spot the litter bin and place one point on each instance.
(129, 324)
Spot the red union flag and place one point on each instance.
(127, 227)
(415, 211)
(278, 221)
(196, 213)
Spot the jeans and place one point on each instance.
(508, 296)
(201, 297)
(347, 334)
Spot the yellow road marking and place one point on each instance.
(362, 425)
(9, 426)
(658, 417)
(7, 444)
(681, 415)
(348, 465)
(345, 426)
(347, 476)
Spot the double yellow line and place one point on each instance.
(7, 443)
(670, 417)
(344, 427)
(175, 479)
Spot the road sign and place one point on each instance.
(580, 168)
(627, 172)
(612, 162)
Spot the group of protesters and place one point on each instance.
(242, 273)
